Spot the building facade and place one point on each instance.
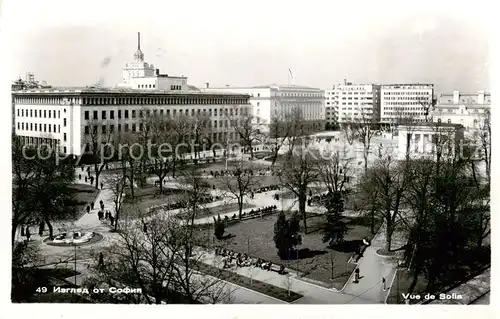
(353, 103)
(279, 101)
(66, 117)
(467, 109)
(423, 140)
(403, 102)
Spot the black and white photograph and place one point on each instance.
(247, 152)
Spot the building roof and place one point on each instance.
(268, 86)
(79, 90)
(433, 124)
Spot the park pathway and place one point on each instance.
(313, 294)
(374, 267)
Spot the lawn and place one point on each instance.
(221, 209)
(256, 285)
(255, 237)
(83, 195)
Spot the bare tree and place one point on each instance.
(279, 132)
(298, 173)
(100, 145)
(248, 130)
(389, 179)
(155, 260)
(117, 183)
(239, 182)
(334, 169)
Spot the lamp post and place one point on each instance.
(74, 244)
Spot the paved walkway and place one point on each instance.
(368, 290)
(374, 267)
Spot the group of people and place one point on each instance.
(203, 200)
(266, 189)
(236, 172)
(243, 260)
(263, 210)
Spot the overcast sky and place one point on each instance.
(242, 43)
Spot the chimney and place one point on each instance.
(456, 97)
(207, 85)
(157, 71)
(480, 97)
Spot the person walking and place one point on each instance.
(86, 179)
(112, 220)
(102, 205)
(102, 185)
(356, 275)
(100, 214)
(101, 260)
(92, 206)
(79, 177)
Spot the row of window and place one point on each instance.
(407, 93)
(42, 140)
(39, 113)
(46, 100)
(139, 127)
(407, 98)
(161, 112)
(214, 137)
(160, 100)
(402, 103)
(145, 86)
(39, 127)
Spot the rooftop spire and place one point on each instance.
(138, 40)
(139, 56)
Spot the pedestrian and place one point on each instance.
(41, 228)
(88, 209)
(92, 206)
(28, 234)
(86, 179)
(383, 284)
(112, 220)
(79, 176)
(101, 260)
(102, 205)
(356, 275)
(102, 185)
(145, 227)
(100, 214)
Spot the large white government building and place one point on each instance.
(467, 109)
(64, 117)
(269, 101)
(406, 101)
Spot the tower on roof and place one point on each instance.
(138, 55)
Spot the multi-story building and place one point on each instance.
(273, 100)
(467, 109)
(65, 117)
(331, 108)
(354, 102)
(403, 102)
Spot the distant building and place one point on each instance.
(403, 102)
(467, 109)
(424, 139)
(143, 76)
(274, 100)
(353, 103)
(65, 117)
